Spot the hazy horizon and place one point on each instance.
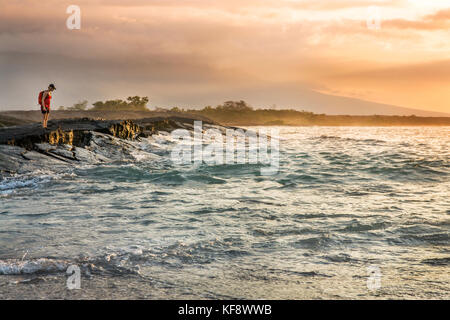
(319, 56)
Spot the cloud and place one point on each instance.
(175, 50)
(437, 21)
(435, 71)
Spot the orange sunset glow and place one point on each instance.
(289, 53)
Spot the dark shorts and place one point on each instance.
(45, 110)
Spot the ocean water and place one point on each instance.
(353, 213)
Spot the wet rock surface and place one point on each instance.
(72, 132)
(29, 147)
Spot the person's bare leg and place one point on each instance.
(43, 120)
(46, 118)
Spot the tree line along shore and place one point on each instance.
(231, 113)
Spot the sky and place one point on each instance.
(193, 53)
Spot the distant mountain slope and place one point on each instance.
(330, 104)
(301, 98)
(283, 96)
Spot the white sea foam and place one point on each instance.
(10, 184)
(16, 267)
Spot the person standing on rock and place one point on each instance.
(44, 101)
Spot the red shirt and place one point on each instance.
(47, 99)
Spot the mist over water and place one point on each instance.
(344, 199)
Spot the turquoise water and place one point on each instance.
(344, 199)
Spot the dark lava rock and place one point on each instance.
(70, 141)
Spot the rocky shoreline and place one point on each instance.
(29, 147)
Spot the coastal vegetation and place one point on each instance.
(239, 113)
(232, 113)
(135, 103)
